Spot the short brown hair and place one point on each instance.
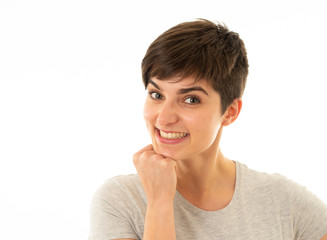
(202, 49)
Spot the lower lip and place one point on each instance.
(170, 141)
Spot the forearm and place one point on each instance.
(159, 222)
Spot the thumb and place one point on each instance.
(175, 165)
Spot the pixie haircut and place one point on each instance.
(201, 49)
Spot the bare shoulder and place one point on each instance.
(324, 237)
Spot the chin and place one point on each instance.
(165, 152)
(173, 154)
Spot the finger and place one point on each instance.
(145, 153)
(174, 163)
(147, 148)
(176, 169)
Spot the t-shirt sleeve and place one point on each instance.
(309, 214)
(110, 213)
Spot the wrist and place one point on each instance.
(160, 203)
(162, 199)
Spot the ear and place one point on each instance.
(232, 112)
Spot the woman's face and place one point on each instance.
(182, 117)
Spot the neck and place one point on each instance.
(207, 180)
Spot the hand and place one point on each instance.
(158, 174)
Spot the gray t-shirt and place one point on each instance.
(264, 206)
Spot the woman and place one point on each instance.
(195, 75)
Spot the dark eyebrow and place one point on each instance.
(154, 84)
(186, 90)
(183, 90)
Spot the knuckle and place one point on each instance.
(164, 163)
(157, 157)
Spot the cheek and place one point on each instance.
(193, 122)
(148, 113)
(203, 125)
(213, 126)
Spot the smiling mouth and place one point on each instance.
(172, 135)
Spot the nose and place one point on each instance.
(167, 114)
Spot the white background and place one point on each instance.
(71, 99)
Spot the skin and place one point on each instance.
(196, 166)
(199, 159)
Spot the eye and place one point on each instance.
(192, 100)
(155, 95)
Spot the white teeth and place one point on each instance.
(172, 135)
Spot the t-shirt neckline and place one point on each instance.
(182, 202)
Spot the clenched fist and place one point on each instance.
(158, 174)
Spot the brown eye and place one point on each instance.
(192, 100)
